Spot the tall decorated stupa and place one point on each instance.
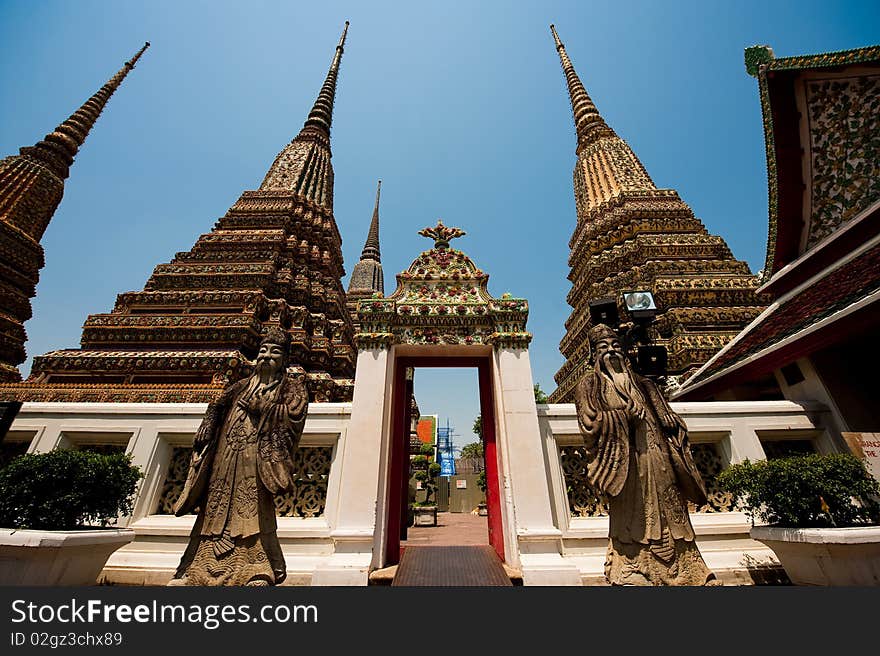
(31, 188)
(630, 235)
(275, 258)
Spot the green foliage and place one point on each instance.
(540, 397)
(814, 490)
(472, 450)
(477, 428)
(66, 489)
(481, 481)
(427, 450)
(425, 471)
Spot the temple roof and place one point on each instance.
(791, 327)
(443, 298)
(757, 56)
(819, 126)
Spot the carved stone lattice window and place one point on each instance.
(312, 465)
(710, 462)
(174, 480)
(583, 501)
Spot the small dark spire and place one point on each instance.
(321, 115)
(371, 247)
(58, 149)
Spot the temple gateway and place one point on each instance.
(145, 371)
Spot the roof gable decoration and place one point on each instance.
(443, 298)
(841, 114)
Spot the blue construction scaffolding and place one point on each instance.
(446, 449)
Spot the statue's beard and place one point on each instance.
(614, 367)
(613, 363)
(269, 367)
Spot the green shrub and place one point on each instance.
(425, 472)
(817, 490)
(66, 489)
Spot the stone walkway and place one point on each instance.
(470, 565)
(453, 529)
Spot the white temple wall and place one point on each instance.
(149, 432)
(536, 541)
(552, 541)
(736, 431)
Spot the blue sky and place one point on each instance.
(459, 107)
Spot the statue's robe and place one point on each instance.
(242, 457)
(648, 475)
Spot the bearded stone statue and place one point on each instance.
(243, 456)
(638, 456)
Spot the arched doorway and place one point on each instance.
(399, 461)
(442, 314)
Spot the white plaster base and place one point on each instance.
(541, 561)
(313, 555)
(30, 557)
(825, 556)
(722, 538)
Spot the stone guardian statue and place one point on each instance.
(243, 456)
(638, 456)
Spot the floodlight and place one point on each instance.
(604, 310)
(640, 304)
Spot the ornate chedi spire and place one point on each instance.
(58, 149)
(371, 247)
(321, 116)
(608, 166)
(31, 188)
(304, 167)
(274, 259)
(367, 278)
(631, 235)
(587, 119)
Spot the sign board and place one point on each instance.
(866, 446)
(426, 429)
(461, 484)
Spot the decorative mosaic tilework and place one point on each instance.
(844, 117)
